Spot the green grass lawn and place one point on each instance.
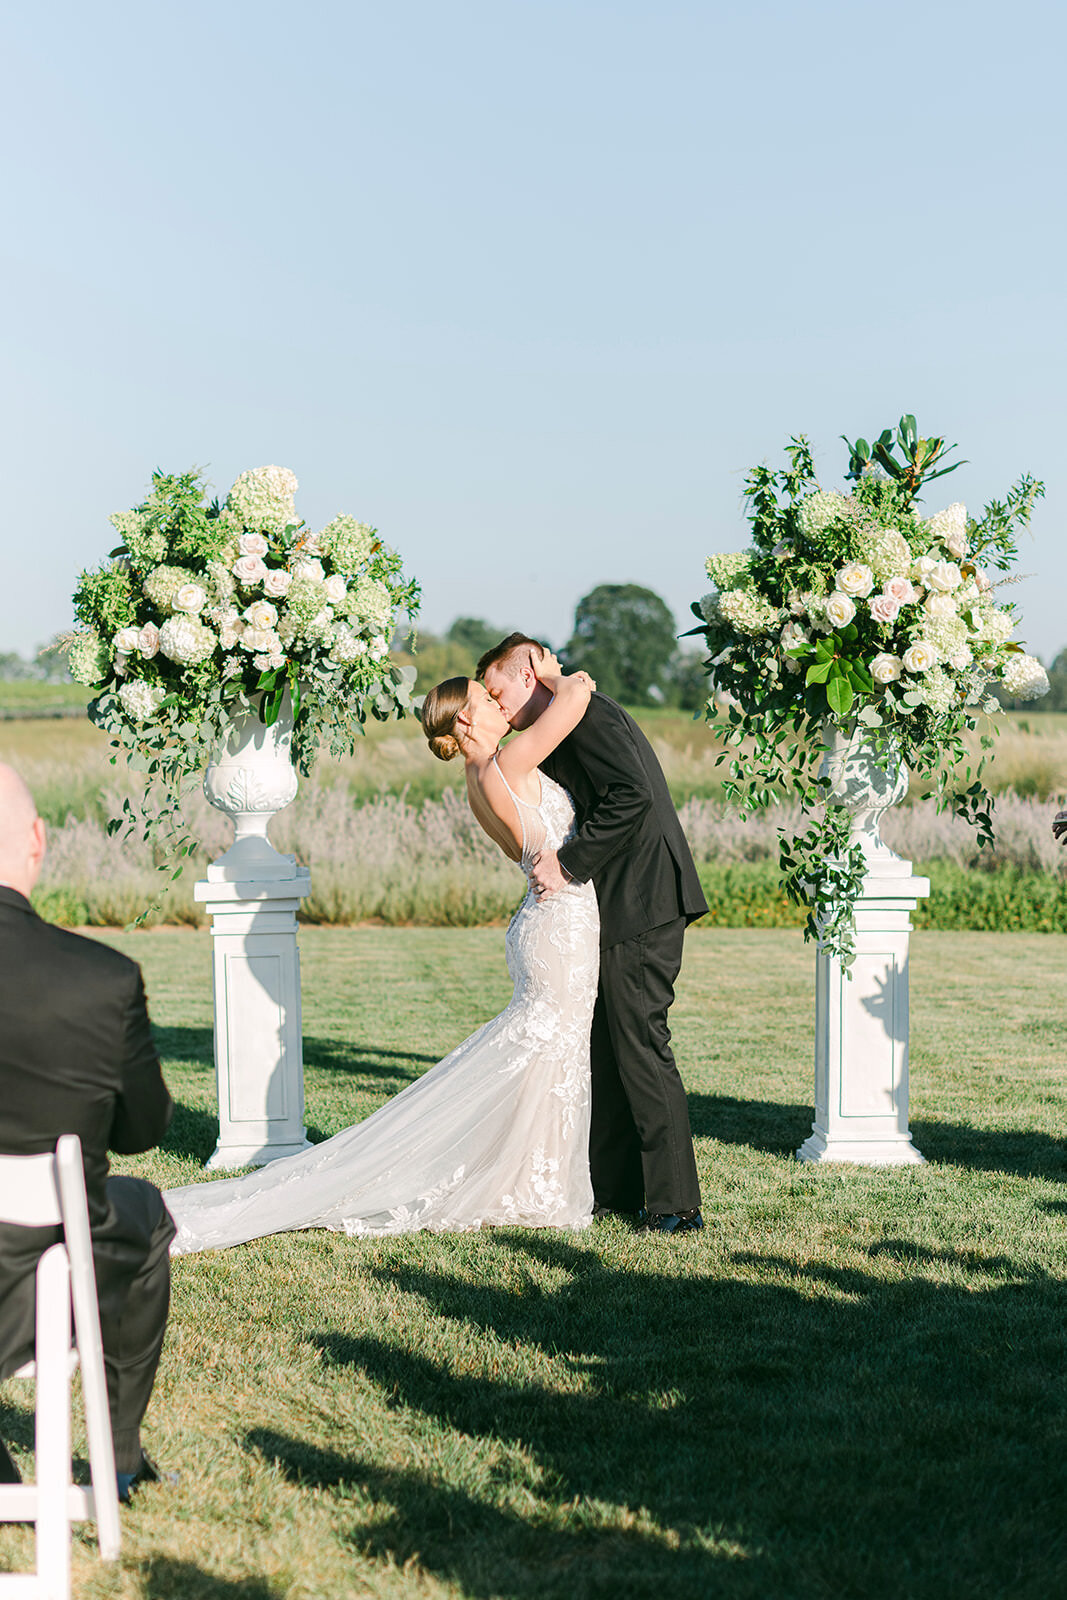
(852, 1384)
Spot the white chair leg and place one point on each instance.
(53, 1441)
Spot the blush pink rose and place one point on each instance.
(902, 590)
(884, 608)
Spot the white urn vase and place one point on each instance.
(252, 778)
(866, 776)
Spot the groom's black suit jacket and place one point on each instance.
(76, 1056)
(629, 839)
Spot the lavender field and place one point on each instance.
(389, 838)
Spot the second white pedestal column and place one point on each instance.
(861, 1033)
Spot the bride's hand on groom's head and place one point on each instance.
(545, 665)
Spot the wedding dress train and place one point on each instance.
(496, 1133)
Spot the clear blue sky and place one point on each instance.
(529, 284)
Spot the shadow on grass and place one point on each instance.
(765, 1423)
(383, 1066)
(166, 1579)
(778, 1128)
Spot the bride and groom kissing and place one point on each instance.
(568, 1105)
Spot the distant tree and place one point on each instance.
(687, 684)
(625, 636)
(474, 635)
(44, 666)
(1056, 699)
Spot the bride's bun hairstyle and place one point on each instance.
(440, 709)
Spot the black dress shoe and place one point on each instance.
(672, 1222)
(616, 1211)
(147, 1472)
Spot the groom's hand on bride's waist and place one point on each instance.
(546, 874)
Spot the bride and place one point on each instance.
(497, 1132)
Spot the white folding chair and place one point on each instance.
(37, 1192)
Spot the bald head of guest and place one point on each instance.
(21, 834)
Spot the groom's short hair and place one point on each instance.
(500, 654)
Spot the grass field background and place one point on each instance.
(850, 1385)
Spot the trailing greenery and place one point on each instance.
(852, 615)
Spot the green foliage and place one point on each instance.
(994, 535)
(624, 635)
(106, 597)
(920, 458)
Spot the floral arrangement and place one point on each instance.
(854, 611)
(207, 612)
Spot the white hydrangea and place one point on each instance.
(307, 567)
(369, 604)
(994, 626)
(709, 608)
(263, 499)
(946, 634)
(88, 658)
(347, 645)
(726, 571)
(819, 510)
(887, 553)
(1024, 678)
(185, 640)
(347, 542)
(748, 613)
(141, 700)
(949, 527)
(220, 582)
(938, 691)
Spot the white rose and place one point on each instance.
(886, 668)
(305, 567)
(920, 657)
(961, 659)
(276, 583)
(939, 604)
(258, 640)
(261, 614)
(839, 609)
(336, 588)
(982, 580)
(921, 566)
(957, 544)
(148, 640)
(249, 571)
(127, 640)
(901, 590)
(884, 609)
(252, 544)
(945, 576)
(118, 666)
(190, 598)
(269, 662)
(856, 579)
(230, 630)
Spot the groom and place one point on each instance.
(630, 843)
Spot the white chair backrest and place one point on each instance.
(29, 1193)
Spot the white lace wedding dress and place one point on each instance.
(497, 1133)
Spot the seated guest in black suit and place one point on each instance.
(76, 1056)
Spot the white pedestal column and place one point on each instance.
(259, 1059)
(861, 1031)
